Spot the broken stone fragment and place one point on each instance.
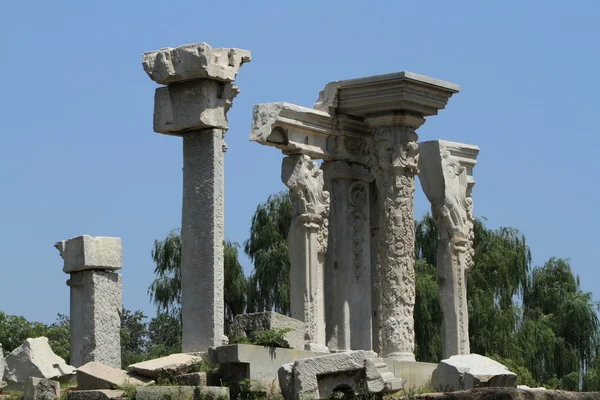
(41, 389)
(35, 358)
(182, 392)
(470, 371)
(193, 379)
(100, 394)
(169, 366)
(264, 321)
(194, 61)
(87, 252)
(94, 375)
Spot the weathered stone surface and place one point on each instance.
(470, 371)
(41, 389)
(35, 358)
(307, 243)
(87, 252)
(95, 318)
(447, 181)
(244, 324)
(181, 392)
(100, 394)
(2, 368)
(94, 375)
(194, 61)
(318, 378)
(172, 365)
(414, 374)
(189, 106)
(193, 379)
(509, 394)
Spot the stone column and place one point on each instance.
(446, 177)
(95, 316)
(307, 244)
(348, 260)
(395, 152)
(193, 105)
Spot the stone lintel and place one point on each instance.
(384, 94)
(194, 61)
(344, 170)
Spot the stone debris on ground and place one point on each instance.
(193, 379)
(169, 366)
(245, 324)
(94, 375)
(41, 389)
(101, 394)
(35, 358)
(508, 394)
(471, 371)
(359, 372)
(181, 392)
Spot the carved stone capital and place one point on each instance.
(396, 148)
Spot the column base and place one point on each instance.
(401, 356)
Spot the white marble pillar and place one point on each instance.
(194, 105)
(446, 177)
(348, 260)
(307, 244)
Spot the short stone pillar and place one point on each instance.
(96, 304)
(348, 260)
(446, 175)
(307, 244)
(193, 105)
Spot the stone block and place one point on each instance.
(470, 371)
(193, 61)
(95, 328)
(94, 375)
(181, 392)
(172, 365)
(414, 374)
(244, 324)
(189, 106)
(35, 358)
(41, 389)
(101, 394)
(193, 379)
(87, 252)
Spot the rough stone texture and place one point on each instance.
(35, 358)
(470, 371)
(87, 252)
(181, 392)
(95, 318)
(184, 107)
(445, 181)
(41, 389)
(2, 368)
(101, 394)
(414, 374)
(244, 324)
(193, 61)
(509, 394)
(172, 365)
(94, 375)
(319, 377)
(348, 262)
(202, 234)
(193, 379)
(307, 244)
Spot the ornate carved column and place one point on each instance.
(446, 177)
(307, 244)
(395, 155)
(348, 261)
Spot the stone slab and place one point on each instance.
(244, 324)
(194, 61)
(193, 379)
(41, 389)
(94, 375)
(87, 252)
(181, 392)
(414, 374)
(101, 394)
(471, 371)
(172, 365)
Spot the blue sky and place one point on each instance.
(78, 154)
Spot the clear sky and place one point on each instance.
(78, 154)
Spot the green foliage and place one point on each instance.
(235, 283)
(165, 290)
(268, 338)
(428, 314)
(133, 337)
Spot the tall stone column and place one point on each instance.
(395, 154)
(193, 105)
(307, 244)
(446, 177)
(348, 260)
(96, 305)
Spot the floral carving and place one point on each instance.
(358, 200)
